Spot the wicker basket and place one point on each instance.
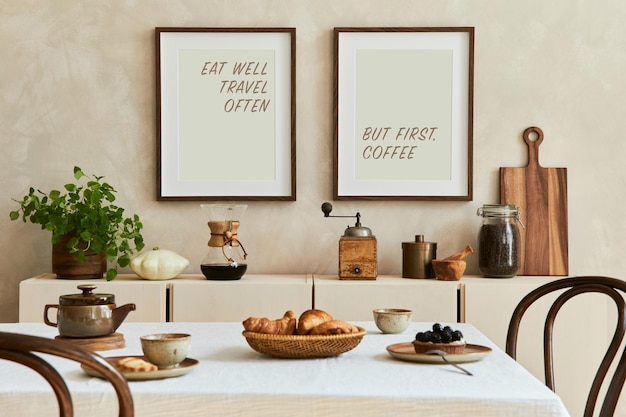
(303, 346)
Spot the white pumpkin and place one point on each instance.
(158, 264)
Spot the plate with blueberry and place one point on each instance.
(429, 346)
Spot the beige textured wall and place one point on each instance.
(77, 87)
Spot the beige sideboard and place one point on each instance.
(193, 298)
(485, 303)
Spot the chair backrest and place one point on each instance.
(570, 287)
(22, 349)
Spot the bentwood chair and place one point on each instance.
(569, 288)
(22, 349)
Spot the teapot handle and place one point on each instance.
(45, 314)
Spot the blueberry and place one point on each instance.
(446, 336)
(421, 337)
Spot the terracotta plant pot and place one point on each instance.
(67, 266)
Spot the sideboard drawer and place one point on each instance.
(430, 299)
(194, 298)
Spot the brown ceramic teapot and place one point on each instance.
(87, 314)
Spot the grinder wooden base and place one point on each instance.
(108, 342)
(358, 258)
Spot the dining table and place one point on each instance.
(229, 378)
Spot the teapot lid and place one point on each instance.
(86, 298)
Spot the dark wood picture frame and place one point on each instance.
(226, 114)
(432, 146)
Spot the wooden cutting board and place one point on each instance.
(541, 195)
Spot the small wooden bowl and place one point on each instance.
(449, 270)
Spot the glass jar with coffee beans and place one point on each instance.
(499, 240)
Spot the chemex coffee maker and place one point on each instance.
(357, 250)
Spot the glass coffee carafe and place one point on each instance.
(226, 259)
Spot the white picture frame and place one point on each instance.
(403, 113)
(226, 113)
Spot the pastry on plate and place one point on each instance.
(442, 338)
(134, 364)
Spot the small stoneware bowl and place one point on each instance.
(165, 350)
(392, 320)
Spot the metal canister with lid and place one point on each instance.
(417, 258)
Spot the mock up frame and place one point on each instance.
(226, 114)
(403, 113)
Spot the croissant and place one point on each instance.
(310, 319)
(334, 327)
(284, 325)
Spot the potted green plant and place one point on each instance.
(84, 220)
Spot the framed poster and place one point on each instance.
(226, 113)
(403, 113)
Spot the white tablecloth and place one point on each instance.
(234, 380)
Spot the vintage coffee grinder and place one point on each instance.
(357, 250)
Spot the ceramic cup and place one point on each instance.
(392, 320)
(165, 350)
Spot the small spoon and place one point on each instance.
(442, 354)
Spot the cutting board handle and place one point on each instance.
(533, 145)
